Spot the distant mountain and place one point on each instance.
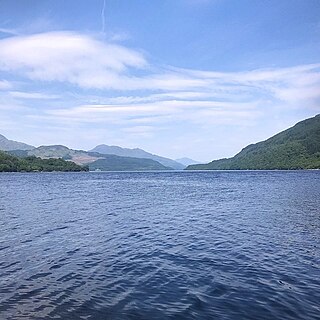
(295, 148)
(96, 161)
(187, 161)
(7, 145)
(137, 153)
(10, 163)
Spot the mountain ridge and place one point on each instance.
(95, 160)
(82, 157)
(137, 153)
(8, 145)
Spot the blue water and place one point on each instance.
(166, 245)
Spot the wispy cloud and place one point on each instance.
(88, 62)
(8, 31)
(5, 85)
(103, 17)
(32, 95)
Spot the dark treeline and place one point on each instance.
(10, 163)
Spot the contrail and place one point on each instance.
(103, 18)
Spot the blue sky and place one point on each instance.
(196, 78)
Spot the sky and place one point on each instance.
(179, 78)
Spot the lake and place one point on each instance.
(160, 245)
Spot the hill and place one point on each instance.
(295, 148)
(137, 153)
(58, 151)
(10, 163)
(95, 160)
(6, 144)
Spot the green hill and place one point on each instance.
(295, 148)
(10, 163)
(116, 163)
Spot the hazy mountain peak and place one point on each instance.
(9, 145)
(187, 161)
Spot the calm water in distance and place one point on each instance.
(160, 245)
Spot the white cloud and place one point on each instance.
(13, 107)
(67, 57)
(298, 95)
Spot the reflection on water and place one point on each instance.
(166, 245)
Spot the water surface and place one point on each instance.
(160, 245)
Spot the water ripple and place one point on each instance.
(167, 245)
